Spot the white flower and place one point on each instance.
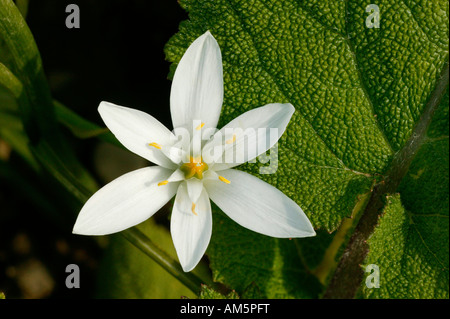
(183, 170)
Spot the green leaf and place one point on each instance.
(410, 253)
(23, 76)
(439, 127)
(424, 190)
(22, 5)
(411, 243)
(209, 293)
(124, 273)
(20, 54)
(9, 84)
(358, 92)
(241, 258)
(11, 127)
(280, 51)
(81, 127)
(25, 81)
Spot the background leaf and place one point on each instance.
(33, 106)
(209, 293)
(411, 242)
(274, 266)
(81, 127)
(11, 127)
(126, 275)
(358, 94)
(411, 254)
(21, 57)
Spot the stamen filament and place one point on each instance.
(223, 179)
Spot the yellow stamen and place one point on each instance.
(163, 183)
(231, 140)
(193, 209)
(200, 126)
(155, 145)
(223, 179)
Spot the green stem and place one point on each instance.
(138, 239)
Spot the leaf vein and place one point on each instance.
(263, 66)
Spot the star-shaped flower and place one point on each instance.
(197, 167)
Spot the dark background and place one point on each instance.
(117, 56)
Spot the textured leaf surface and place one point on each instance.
(209, 293)
(411, 243)
(273, 265)
(347, 82)
(410, 253)
(358, 93)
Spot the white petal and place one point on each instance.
(250, 135)
(176, 176)
(136, 130)
(125, 202)
(194, 188)
(190, 232)
(210, 174)
(258, 206)
(175, 154)
(197, 87)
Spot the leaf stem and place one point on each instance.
(348, 275)
(138, 239)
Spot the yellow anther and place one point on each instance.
(223, 179)
(193, 209)
(155, 145)
(231, 140)
(198, 128)
(163, 183)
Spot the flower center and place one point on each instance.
(194, 168)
